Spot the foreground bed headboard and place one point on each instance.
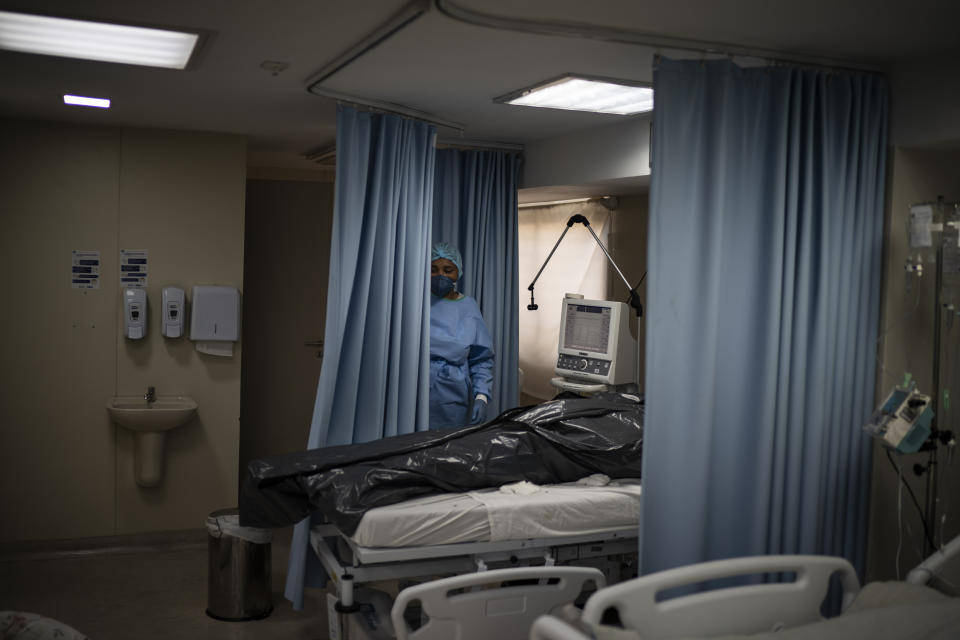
(737, 610)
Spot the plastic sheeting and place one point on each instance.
(562, 440)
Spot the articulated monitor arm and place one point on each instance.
(634, 296)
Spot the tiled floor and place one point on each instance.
(144, 588)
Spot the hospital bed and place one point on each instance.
(687, 602)
(531, 487)
(592, 524)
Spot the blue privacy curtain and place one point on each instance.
(765, 247)
(475, 208)
(374, 381)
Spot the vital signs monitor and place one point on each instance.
(595, 344)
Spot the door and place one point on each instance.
(286, 262)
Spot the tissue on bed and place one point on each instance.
(595, 480)
(522, 488)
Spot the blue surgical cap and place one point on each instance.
(448, 251)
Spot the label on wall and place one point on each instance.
(85, 270)
(133, 268)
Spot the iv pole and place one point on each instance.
(930, 514)
(938, 436)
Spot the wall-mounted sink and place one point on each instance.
(166, 412)
(150, 421)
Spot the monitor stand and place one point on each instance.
(588, 388)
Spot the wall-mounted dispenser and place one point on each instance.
(215, 319)
(134, 313)
(173, 312)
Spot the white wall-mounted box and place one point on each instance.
(173, 310)
(215, 314)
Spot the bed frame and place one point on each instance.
(739, 609)
(350, 565)
(941, 563)
(666, 604)
(729, 610)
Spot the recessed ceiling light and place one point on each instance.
(99, 41)
(584, 93)
(84, 101)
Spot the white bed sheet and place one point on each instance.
(492, 515)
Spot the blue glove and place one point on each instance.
(479, 409)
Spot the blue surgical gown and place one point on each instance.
(461, 360)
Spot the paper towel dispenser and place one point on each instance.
(215, 319)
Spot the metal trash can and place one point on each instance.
(238, 579)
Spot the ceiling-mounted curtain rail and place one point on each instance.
(409, 13)
(413, 10)
(328, 154)
(406, 15)
(389, 107)
(459, 143)
(626, 36)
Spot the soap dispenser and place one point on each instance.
(174, 310)
(134, 313)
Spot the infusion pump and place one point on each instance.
(595, 349)
(903, 421)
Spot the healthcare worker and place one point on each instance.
(461, 351)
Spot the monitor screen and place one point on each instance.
(587, 327)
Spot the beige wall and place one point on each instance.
(628, 246)
(603, 154)
(916, 175)
(65, 469)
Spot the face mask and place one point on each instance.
(441, 285)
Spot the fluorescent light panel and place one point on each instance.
(84, 101)
(586, 94)
(95, 40)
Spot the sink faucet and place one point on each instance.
(150, 395)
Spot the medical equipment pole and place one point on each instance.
(634, 296)
(533, 306)
(931, 507)
(939, 434)
(606, 253)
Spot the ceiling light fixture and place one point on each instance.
(585, 93)
(84, 101)
(99, 41)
